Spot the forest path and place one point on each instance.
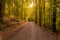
(33, 32)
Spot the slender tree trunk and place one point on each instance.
(22, 14)
(40, 11)
(54, 17)
(44, 12)
(36, 12)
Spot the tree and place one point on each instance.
(1, 10)
(40, 11)
(54, 16)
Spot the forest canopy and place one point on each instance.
(43, 12)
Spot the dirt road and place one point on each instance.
(33, 32)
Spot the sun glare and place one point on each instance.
(31, 5)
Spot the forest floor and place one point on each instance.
(27, 31)
(12, 29)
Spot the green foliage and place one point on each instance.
(40, 12)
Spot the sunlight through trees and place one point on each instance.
(43, 12)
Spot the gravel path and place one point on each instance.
(33, 32)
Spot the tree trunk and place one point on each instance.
(54, 17)
(1, 10)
